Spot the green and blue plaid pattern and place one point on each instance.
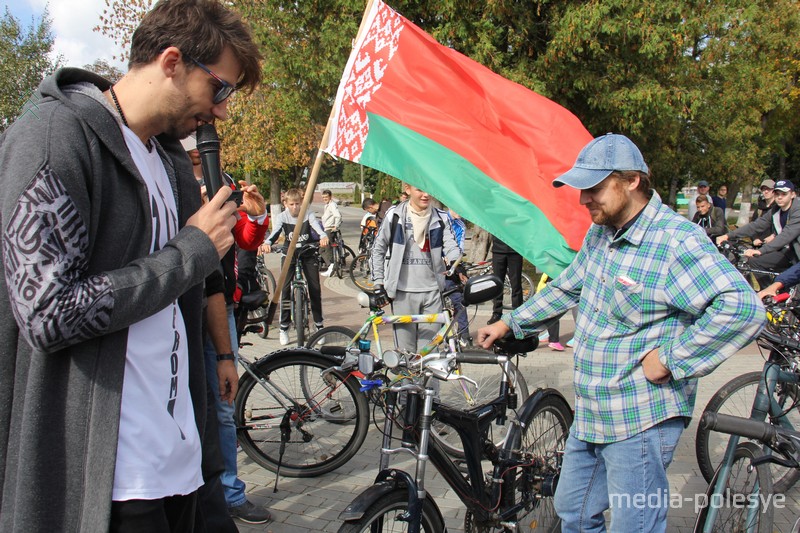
(661, 285)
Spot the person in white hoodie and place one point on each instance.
(331, 220)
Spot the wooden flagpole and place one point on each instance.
(309, 194)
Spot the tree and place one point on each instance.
(102, 68)
(24, 62)
(119, 20)
(691, 82)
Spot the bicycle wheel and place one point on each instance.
(527, 290)
(346, 256)
(299, 314)
(743, 506)
(267, 283)
(462, 393)
(384, 516)
(736, 398)
(330, 336)
(541, 437)
(327, 423)
(360, 274)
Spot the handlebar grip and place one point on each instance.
(479, 358)
(735, 425)
(782, 297)
(338, 351)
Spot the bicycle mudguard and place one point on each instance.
(537, 396)
(291, 352)
(386, 482)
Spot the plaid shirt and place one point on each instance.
(662, 284)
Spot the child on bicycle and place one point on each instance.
(369, 224)
(285, 224)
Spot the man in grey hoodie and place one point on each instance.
(105, 249)
(407, 263)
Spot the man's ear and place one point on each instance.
(171, 61)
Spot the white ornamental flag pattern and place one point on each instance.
(361, 79)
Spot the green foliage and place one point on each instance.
(24, 62)
(357, 195)
(695, 84)
(387, 187)
(102, 68)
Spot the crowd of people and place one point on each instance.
(120, 282)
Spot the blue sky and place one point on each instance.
(73, 21)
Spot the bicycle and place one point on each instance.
(360, 272)
(346, 339)
(525, 468)
(300, 301)
(485, 267)
(748, 479)
(295, 414)
(771, 394)
(340, 253)
(266, 282)
(733, 250)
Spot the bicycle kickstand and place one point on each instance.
(285, 433)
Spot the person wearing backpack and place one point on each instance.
(408, 263)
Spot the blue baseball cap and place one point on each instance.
(599, 159)
(784, 186)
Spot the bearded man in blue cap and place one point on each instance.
(658, 307)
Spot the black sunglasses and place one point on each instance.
(223, 92)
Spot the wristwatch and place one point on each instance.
(225, 357)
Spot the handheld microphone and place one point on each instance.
(208, 147)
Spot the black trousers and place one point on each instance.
(777, 261)
(174, 514)
(311, 273)
(508, 265)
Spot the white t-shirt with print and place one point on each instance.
(158, 453)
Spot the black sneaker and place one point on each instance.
(493, 319)
(247, 512)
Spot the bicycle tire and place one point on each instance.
(736, 398)
(452, 394)
(383, 514)
(741, 484)
(542, 433)
(360, 273)
(299, 314)
(528, 288)
(345, 252)
(330, 336)
(337, 423)
(267, 283)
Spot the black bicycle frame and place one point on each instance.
(472, 427)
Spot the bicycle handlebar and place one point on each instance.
(745, 427)
(481, 358)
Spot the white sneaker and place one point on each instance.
(283, 337)
(327, 272)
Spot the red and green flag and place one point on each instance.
(487, 147)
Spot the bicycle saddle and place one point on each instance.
(509, 345)
(253, 300)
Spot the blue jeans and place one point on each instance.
(629, 476)
(234, 487)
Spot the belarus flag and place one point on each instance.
(483, 145)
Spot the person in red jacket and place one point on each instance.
(221, 343)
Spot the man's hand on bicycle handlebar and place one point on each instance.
(379, 296)
(488, 334)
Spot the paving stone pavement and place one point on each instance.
(304, 505)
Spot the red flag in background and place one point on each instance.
(483, 145)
